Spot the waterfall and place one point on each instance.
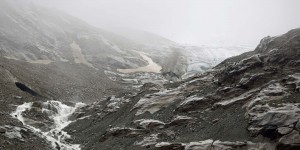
(59, 113)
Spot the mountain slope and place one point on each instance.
(48, 55)
(34, 33)
(50, 62)
(247, 101)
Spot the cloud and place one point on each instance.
(190, 21)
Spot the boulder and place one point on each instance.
(290, 141)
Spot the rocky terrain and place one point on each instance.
(247, 102)
(47, 54)
(68, 85)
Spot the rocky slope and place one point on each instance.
(46, 54)
(40, 35)
(50, 62)
(250, 101)
(37, 35)
(41, 45)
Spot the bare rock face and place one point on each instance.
(13, 132)
(284, 130)
(293, 81)
(201, 145)
(149, 123)
(236, 69)
(180, 120)
(169, 146)
(213, 145)
(273, 120)
(290, 141)
(193, 103)
(124, 131)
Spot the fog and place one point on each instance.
(193, 22)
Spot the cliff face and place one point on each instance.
(248, 101)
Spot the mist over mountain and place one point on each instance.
(190, 22)
(71, 83)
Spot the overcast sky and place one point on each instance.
(194, 22)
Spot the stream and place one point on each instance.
(59, 113)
